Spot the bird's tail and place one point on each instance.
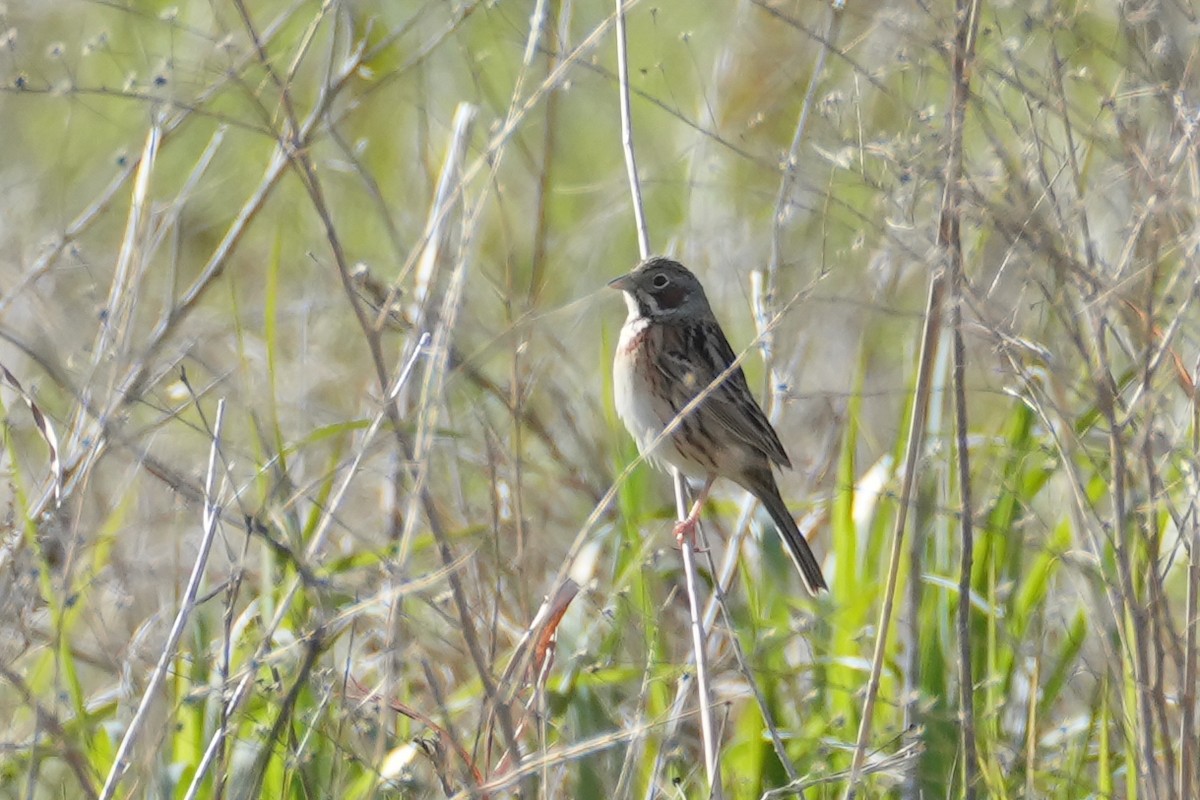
(794, 541)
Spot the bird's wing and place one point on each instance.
(693, 356)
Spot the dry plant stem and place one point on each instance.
(966, 688)
(80, 224)
(1087, 515)
(716, 602)
(537, 261)
(114, 333)
(1163, 630)
(687, 549)
(491, 687)
(551, 757)
(635, 186)
(498, 140)
(724, 576)
(900, 761)
(431, 398)
(537, 21)
(967, 17)
(950, 243)
(210, 519)
(542, 635)
(911, 788)
(433, 238)
(251, 783)
(112, 340)
(1144, 626)
(912, 448)
(418, 451)
(224, 667)
(289, 149)
(316, 544)
(633, 753)
(1131, 616)
(431, 253)
(301, 160)
(448, 315)
(712, 764)
(786, 187)
(1187, 732)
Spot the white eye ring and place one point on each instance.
(660, 281)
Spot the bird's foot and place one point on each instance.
(685, 529)
(685, 532)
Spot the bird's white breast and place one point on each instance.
(643, 415)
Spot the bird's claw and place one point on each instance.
(685, 531)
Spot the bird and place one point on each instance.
(671, 349)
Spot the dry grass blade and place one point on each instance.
(529, 655)
(556, 757)
(895, 765)
(44, 428)
(449, 180)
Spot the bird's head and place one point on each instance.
(662, 289)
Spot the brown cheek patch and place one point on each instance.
(671, 296)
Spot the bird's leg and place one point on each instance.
(685, 529)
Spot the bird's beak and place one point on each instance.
(624, 283)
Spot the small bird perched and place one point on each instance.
(671, 349)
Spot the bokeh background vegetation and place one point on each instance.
(268, 204)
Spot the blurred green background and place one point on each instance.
(267, 204)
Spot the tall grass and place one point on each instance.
(376, 235)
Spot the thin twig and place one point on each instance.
(783, 201)
(635, 186)
(712, 764)
(211, 518)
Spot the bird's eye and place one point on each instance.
(660, 281)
